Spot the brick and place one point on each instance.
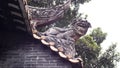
(26, 52)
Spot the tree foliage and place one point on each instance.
(88, 47)
(108, 58)
(98, 35)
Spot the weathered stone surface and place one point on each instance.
(65, 37)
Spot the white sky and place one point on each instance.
(104, 14)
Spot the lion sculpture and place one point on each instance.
(62, 40)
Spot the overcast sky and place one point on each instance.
(105, 14)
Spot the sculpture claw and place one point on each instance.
(36, 37)
(80, 59)
(74, 60)
(34, 31)
(60, 49)
(44, 42)
(69, 56)
(62, 55)
(43, 37)
(53, 48)
(51, 43)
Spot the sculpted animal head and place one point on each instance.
(80, 26)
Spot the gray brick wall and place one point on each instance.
(18, 50)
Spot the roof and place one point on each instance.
(42, 16)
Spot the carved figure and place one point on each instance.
(62, 40)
